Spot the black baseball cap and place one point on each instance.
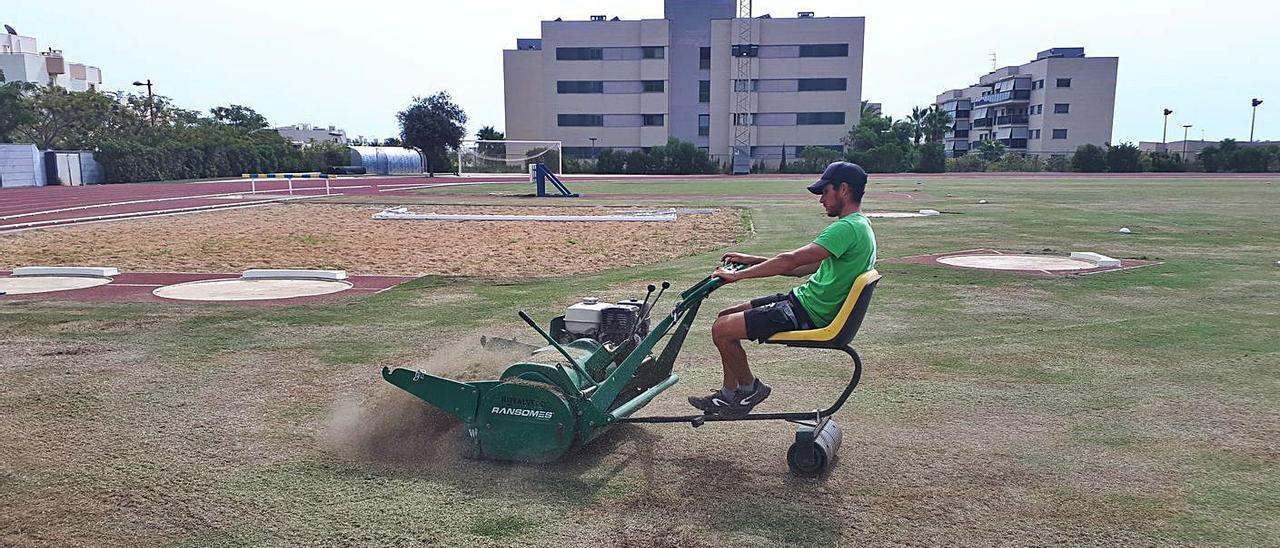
(840, 172)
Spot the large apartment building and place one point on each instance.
(21, 61)
(699, 74)
(1047, 107)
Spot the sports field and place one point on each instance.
(1139, 407)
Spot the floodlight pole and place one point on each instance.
(1254, 118)
(1185, 129)
(1164, 135)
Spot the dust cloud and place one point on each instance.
(390, 426)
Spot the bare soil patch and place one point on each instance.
(346, 237)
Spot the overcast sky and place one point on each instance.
(355, 64)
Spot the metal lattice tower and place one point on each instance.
(743, 96)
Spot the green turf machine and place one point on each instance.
(600, 366)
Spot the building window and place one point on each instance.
(960, 114)
(741, 85)
(1035, 134)
(746, 50)
(819, 118)
(961, 133)
(704, 124)
(824, 50)
(651, 120)
(654, 86)
(579, 54)
(653, 52)
(580, 120)
(1059, 134)
(579, 86)
(743, 119)
(1061, 108)
(704, 91)
(1064, 82)
(823, 84)
(704, 58)
(1038, 84)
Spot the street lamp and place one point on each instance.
(1256, 102)
(593, 146)
(1185, 129)
(1164, 143)
(151, 109)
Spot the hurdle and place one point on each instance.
(288, 177)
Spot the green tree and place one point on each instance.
(1165, 162)
(930, 158)
(1089, 159)
(239, 116)
(1251, 160)
(1124, 158)
(916, 118)
(1210, 159)
(56, 118)
(936, 124)
(433, 125)
(990, 150)
(12, 110)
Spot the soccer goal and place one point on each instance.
(478, 157)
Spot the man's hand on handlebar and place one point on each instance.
(733, 257)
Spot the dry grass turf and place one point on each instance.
(1133, 408)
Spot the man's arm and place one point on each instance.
(797, 260)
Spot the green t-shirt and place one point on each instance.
(852, 245)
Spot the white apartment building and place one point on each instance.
(1047, 107)
(22, 61)
(301, 134)
(628, 85)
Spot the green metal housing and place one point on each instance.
(539, 410)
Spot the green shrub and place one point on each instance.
(1089, 159)
(930, 158)
(1058, 164)
(1124, 158)
(1017, 161)
(813, 160)
(966, 163)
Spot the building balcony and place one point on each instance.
(1003, 97)
(1014, 143)
(983, 122)
(1013, 119)
(960, 115)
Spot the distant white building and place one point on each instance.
(301, 134)
(22, 61)
(1047, 107)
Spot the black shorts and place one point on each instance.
(775, 314)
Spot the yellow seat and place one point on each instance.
(846, 323)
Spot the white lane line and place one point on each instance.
(154, 213)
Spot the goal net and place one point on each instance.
(478, 157)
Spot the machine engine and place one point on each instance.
(610, 323)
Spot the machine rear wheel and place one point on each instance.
(806, 459)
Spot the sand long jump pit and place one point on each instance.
(346, 237)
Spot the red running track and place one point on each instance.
(34, 207)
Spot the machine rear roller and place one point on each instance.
(814, 449)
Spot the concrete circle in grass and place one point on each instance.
(249, 290)
(891, 214)
(1016, 262)
(26, 285)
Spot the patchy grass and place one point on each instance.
(1128, 408)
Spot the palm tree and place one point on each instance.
(917, 121)
(936, 124)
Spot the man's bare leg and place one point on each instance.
(727, 333)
